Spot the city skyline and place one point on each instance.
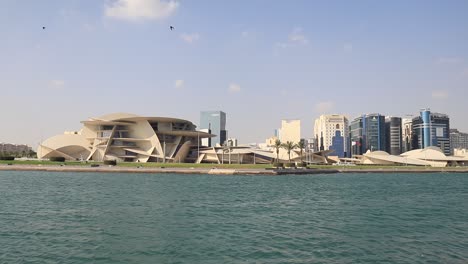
(295, 61)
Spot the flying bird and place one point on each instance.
(171, 27)
(43, 27)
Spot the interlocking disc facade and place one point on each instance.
(126, 137)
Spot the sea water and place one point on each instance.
(49, 217)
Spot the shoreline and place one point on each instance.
(224, 171)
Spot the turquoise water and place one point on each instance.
(140, 218)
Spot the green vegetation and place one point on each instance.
(277, 147)
(301, 145)
(288, 146)
(44, 162)
(110, 162)
(26, 154)
(227, 166)
(57, 159)
(278, 165)
(194, 165)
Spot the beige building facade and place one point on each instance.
(290, 130)
(126, 137)
(325, 128)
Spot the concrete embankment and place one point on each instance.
(404, 170)
(212, 171)
(225, 171)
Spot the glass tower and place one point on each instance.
(367, 132)
(215, 123)
(393, 135)
(431, 129)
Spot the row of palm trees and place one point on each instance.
(288, 146)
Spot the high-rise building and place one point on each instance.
(393, 135)
(290, 130)
(458, 140)
(331, 133)
(213, 122)
(367, 132)
(355, 136)
(431, 129)
(406, 134)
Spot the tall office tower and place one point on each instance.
(290, 130)
(431, 129)
(356, 136)
(214, 122)
(331, 132)
(458, 140)
(393, 135)
(406, 134)
(367, 132)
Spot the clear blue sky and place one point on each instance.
(259, 61)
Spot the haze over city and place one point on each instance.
(258, 61)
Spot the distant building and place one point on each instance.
(458, 140)
(213, 122)
(431, 129)
(356, 136)
(406, 134)
(393, 137)
(367, 132)
(232, 142)
(290, 130)
(271, 141)
(14, 149)
(331, 133)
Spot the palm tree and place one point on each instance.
(288, 146)
(277, 147)
(301, 146)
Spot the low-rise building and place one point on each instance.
(14, 149)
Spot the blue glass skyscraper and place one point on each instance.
(431, 129)
(215, 122)
(367, 132)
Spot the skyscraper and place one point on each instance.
(431, 129)
(214, 122)
(331, 133)
(356, 136)
(393, 135)
(367, 132)
(406, 134)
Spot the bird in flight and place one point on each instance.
(171, 27)
(43, 27)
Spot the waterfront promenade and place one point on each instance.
(218, 170)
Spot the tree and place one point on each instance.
(32, 154)
(288, 146)
(277, 147)
(301, 146)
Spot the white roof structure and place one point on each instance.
(246, 154)
(430, 156)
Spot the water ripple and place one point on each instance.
(133, 218)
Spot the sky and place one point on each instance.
(259, 61)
